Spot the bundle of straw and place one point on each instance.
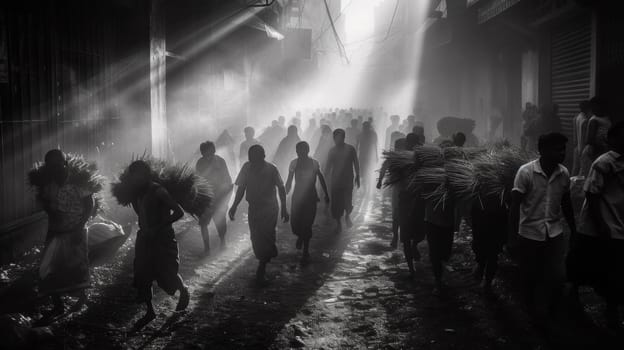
(426, 180)
(398, 164)
(428, 156)
(80, 173)
(188, 189)
(460, 179)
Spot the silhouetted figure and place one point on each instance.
(258, 180)
(394, 127)
(226, 145)
(305, 171)
(529, 130)
(244, 147)
(271, 137)
(412, 210)
(579, 135)
(409, 124)
(596, 257)
(308, 134)
(286, 150)
(65, 264)
(156, 249)
(342, 162)
(489, 235)
(597, 129)
(352, 133)
(367, 153)
(399, 145)
(214, 169)
(325, 144)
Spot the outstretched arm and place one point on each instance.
(323, 185)
(291, 174)
(240, 193)
(356, 166)
(382, 174)
(514, 211)
(282, 196)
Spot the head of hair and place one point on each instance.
(292, 130)
(139, 167)
(399, 144)
(340, 132)
(354, 122)
(459, 139)
(54, 156)
(249, 130)
(366, 125)
(395, 118)
(411, 141)
(206, 147)
(418, 130)
(302, 147)
(256, 153)
(551, 140)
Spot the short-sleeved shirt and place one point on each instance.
(540, 210)
(342, 160)
(260, 183)
(215, 171)
(606, 179)
(305, 172)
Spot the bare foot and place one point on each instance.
(144, 321)
(184, 299)
(348, 221)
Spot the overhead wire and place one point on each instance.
(324, 30)
(341, 48)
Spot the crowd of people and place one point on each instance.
(337, 152)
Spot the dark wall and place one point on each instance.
(62, 65)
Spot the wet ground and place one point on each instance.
(353, 294)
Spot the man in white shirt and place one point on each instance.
(597, 255)
(540, 200)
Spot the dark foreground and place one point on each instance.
(353, 295)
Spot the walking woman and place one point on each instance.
(305, 171)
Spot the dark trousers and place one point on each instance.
(440, 241)
(542, 268)
(341, 201)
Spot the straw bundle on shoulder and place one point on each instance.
(398, 165)
(428, 156)
(80, 173)
(191, 191)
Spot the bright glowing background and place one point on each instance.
(359, 19)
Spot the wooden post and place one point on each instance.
(158, 118)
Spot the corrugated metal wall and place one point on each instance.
(571, 69)
(54, 90)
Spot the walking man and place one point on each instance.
(156, 249)
(305, 171)
(214, 169)
(342, 162)
(540, 200)
(258, 181)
